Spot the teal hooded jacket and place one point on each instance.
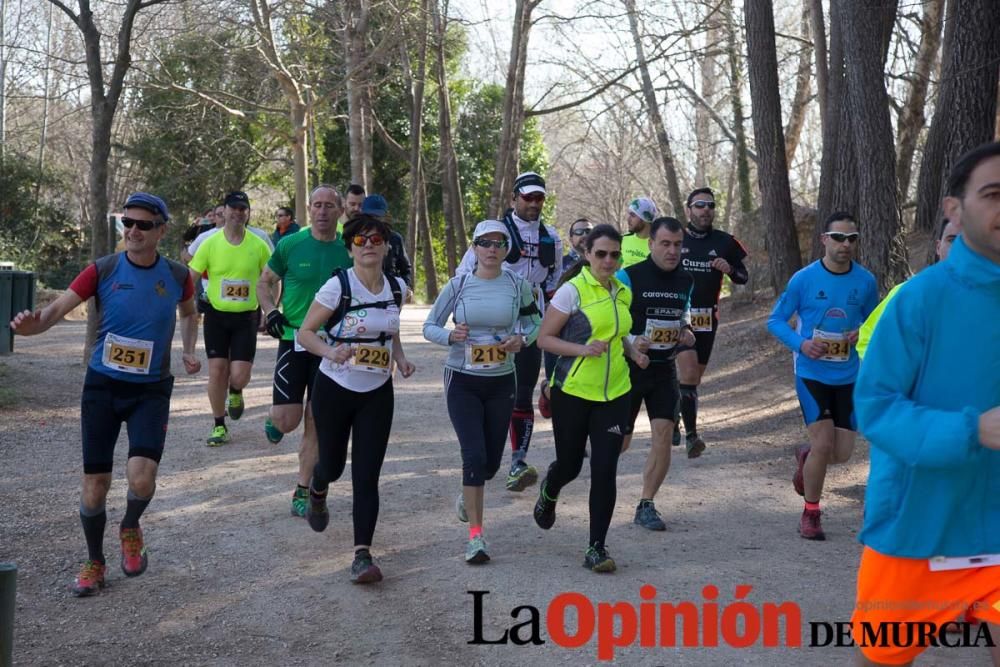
(932, 368)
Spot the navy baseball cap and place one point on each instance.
(151, 203)
(237, 199)
(375, 205)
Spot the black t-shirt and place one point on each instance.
(658, 295)
(697, 254)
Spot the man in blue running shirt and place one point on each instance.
(831, 298)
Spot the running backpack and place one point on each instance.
(546, 244)
(345, 307)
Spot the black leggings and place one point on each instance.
(527, 363)
(479, 407)
(573, 421)
(365, 419)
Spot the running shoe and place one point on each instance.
(316, 512)
(597, 559)
(234, 405)
(475, 552)
(90, 580)
(545, 509)
(798, 479)
(363, 569)
(134, 558)
(809, 526)
(695, 446)
(300, 501)
(677, 434)
(272, 433)
(460, 508)
(647, 517)
(544, 404)
(219, 437)
(521, 476)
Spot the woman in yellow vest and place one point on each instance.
(585, 324)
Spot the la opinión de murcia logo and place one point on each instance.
(707, 623)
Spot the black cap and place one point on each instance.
(237, 199)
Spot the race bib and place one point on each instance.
(235, 290)
(372, 359)
(299, 348)
(128, 355)
(701, 319)
(663, 335)
(483, 354)
(941, 563)
(837, 347)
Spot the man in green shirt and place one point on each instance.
(635, 244)
(302, 263)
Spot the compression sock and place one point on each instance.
(94, 521)
(689, 409)
(134, 508)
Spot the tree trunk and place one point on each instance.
(740, 151)
(837, 164)
(703, 132)
(508, 151)
(780, 237)
(883, 251)
(653, 109)
(800, 103)
(966, 112)
(911, 117)
(451, 185)
(300, 116)
(426, 247)
(356, 13)
(818, 29)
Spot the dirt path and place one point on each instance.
(235, 580)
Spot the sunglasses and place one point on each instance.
(490, 243)
(581, 232)
(703, 204)
(840, 237)
(534, 197)
(143, 225)
(601, 254)
(360, 240)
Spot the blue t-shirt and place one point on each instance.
(828, 306)
(137, 309)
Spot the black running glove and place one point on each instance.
(276, 322)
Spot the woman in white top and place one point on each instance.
(352, 395)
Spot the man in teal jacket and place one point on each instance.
(928, 400)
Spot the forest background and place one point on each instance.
(788, 110)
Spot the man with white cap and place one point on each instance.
(535, 253)
(494, 313)
(635, 244)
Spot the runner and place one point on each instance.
(284, 225)
(933, 419)
(137, 293)
(831, 298)
(302, 263)
(535, 255)
(586, 324)
(635, 244)
(486, 306)
(947, 234)
(396, 262)
(577, 234)
(353, 397)
(233, 259)
(661, 294)
(353, 198)
(708, 255)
